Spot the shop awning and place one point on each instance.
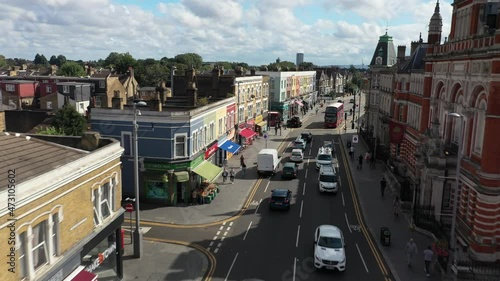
(79, 274)
(230, 146)
(262, 124)
(207, 170)
(299, 103)
(247, 133)
(182, 176)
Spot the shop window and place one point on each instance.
(103, 199)
(180, 145)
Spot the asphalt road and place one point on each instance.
(278, 245)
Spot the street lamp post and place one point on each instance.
(137, 231)
(455, 201)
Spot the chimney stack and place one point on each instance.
(117, 101)
(401, 53)
(156, 104)
(131, 71)
(414, 45)
(252, 72)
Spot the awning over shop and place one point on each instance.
(247, 133)
(230, 146)
(299, 103)
(262, 124)
(182, 176)
(207, 170)
(79, 274)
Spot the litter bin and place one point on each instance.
(385, 236)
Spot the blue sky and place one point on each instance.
(328, 32)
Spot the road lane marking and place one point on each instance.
(298, 234)
(225, 233)
(221, 227)
(267, 185)
(347, 221)
(294, 268)
(231, 224)
(301, 206)
(224, 223)
(215, 237)
(306, 173)
(246, 233)
(258, 205)
(362, 259)
(308, 161)
(231, 268)
(304, 189)
(218, 233)
(218, 245)
(343, 201)
(228, 228)
(216, 250)
(222, 239)
(211, 243)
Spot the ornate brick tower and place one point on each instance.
(435, 27)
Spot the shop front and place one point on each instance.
(283, 108)
(246, 132)
(168, 183)
(260, 125)
(230, 148)
(206, 173)
(102, 255)
(221, 154)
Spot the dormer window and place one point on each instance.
(378, 60)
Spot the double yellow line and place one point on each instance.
(212, 262)
(359, 216)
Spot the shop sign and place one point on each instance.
(210, 151)
(101, 257)
(172, 166)
(258, 119)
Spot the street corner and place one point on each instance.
(169, 260)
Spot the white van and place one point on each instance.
(328, 181)
(268, 161)
(324, 157)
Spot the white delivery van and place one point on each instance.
(268, 161)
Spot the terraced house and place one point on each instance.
(65, 215)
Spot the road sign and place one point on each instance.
(129, 208)
(355, 139)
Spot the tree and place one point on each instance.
(71, 69)
(155, 74)
(306, 66)
(190, 60)
(61, 60)
(120, 62)
(53, 60)
(41, 60)
(69, 121)
(3, 62)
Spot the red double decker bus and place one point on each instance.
(334, 115)
(272, 118)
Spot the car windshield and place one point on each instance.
(278, 198)
(324, 157)
(330, 242)
(296, 153)
(327, 178)
(298, 142)
(288, 169)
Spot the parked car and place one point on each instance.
(329, 248)
(297, 155)
(280, 199)
(307, 136)
(299, 143)
(290, 170)
(294, 122)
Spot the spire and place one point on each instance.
(435, 26)
(436, 9)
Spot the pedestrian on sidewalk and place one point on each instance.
(351, 151)
(396, 204)
(428, 254)
(410, 250)
(276, 129)
(224, 175)
(360, 162)
(383, 185)
(194, 195)
(243, 165)
(231, 175)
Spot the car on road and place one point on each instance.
(290, 170)
(299, 143)
(297, 155)
(324, 157)
(329, 248)
(307, 136)
(280, 199)
(294, 122)
(328, 181)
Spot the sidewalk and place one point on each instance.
(163, 261)
(231, 198)
(377, 211)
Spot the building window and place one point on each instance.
(126, 142)
(49, 105)
(98, 101)
(10, 87)
(221, 126)
(55, 234)
(258, 108)
(102, 84)
(65, 89)
(48, 88)
(401, 112)
(45, 81)
(212, 131)
(102, 198)
(195, 141)
(205, 136)
(180, 146)
(241, 114)
(22, 255)
(480, 125)
(40, 253)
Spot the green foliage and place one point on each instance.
(69, 121)
(50, 131)
(202, 101)
(306, 66)
(190, 60)
(3, 62)
(71, 69)
(120, 62)
(59, 60)
(150, 73)
(41, 60)
(282, 66)
(229, 95)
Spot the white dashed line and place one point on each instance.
(301, 206)
(211, 243)
(225, 233)
(304, 189)
(218, 233)
(246, 233)
(258, 205)
(294, 268)
(231, 224)
(298, 234)
(362, 259)
(267, 186)
(306, 173)
(347, 221)
(343, 202)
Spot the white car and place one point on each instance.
(329, 248)
(297, 155)
(327, 181)
(324, 157)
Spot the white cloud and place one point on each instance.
(252, 31)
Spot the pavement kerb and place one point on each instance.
(372, 231)
(255, 184)
(212, 261)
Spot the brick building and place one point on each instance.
(64, 216)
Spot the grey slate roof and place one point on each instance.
(416, 60)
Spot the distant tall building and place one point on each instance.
(300, 58)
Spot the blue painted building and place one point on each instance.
(178, 147)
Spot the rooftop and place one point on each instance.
(73, 83)
(28, 157)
